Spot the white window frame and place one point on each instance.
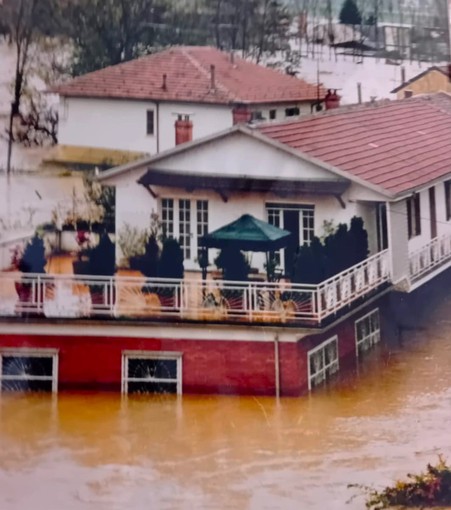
(193, 223)
(373, 337)
(30, 353)
(153, 355)
(274, 216)
(327, 369)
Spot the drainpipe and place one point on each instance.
(276, 365)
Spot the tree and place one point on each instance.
(107, 32)
(24, 21)
(350, 13)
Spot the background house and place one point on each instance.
(150, 104)
(434, 79)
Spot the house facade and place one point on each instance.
(143, 106)
(386, 163)
(432, 80)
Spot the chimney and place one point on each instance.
(408, 93)
(241, 114)
(212, 77)
(403, 75)
(165, 80)
(332, 100)
(183, 129)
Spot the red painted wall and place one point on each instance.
(228, 367)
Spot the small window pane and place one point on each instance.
(155, 368)
(152, 387)
(150, 122)
(27, 366)
(22, 385)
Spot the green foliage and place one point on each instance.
(131, 241)
(233, 263)
(431, 488)
(341, 249)
(350, 13)
(150, 260)
(102, 258)
(171, 260)
(107, 32)
(33, 258)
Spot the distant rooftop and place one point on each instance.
(192, 74)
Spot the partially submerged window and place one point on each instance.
(413, 216)
(367, 332)
(322, 362)
(292, 112)
(23, 371)
(152, 372)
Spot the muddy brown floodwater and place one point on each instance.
(86, 451)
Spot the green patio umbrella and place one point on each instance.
(248, 234)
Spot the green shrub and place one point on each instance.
(33, 259)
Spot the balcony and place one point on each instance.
(425, 261)
(135, 298)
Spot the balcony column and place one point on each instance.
(398, 243)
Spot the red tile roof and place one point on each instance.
(188, 78)
(396, 145)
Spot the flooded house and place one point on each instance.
(121, 112)
(294, 239)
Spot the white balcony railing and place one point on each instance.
(426, 258)
(122, 297)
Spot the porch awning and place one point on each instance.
(223, 184)
(249, 234)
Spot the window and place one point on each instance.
(292, 112)
(413, 216)
(272, 114)
(23, 370)
(202, 222)
(152, 372)
(257, 115)
(322, 362)
(448, 200)
(185, 220)
(167, 216)
(367, 332)
(150, 122)
(277, 216)
(185, 227)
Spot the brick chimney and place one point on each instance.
(241, 114)
(332, 100)
(183, 129)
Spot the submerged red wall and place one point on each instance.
(230, 367)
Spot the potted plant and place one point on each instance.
(102, 262)
(82, 264)
(30, 261)
(235, 267)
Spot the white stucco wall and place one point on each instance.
(443, 225)
(122, 124)
(112, 124)
(244, 156)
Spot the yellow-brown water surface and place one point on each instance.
(101, 451)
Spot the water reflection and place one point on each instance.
(78, 451)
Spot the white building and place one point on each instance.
(137, 106)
